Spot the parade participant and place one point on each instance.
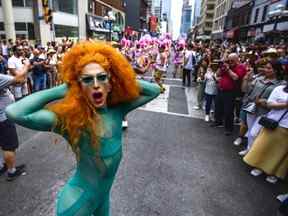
(179, 57)
(8, 136)
(160, 67)
(100, 90)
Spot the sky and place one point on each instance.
(176, 13)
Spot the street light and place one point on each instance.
(110, 18)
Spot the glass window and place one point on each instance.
(65, 6)
(2, 26)
(31, 33)
(63, 31)
(18, 3)
(90, 6)
(20, 27)
(29, 3)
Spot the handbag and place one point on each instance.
(271, 123)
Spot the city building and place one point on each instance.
(196, 11)
(206, 20)
(70, 18)
(187, 16)
(221, 10)
(269, 21)
(236, 27)
(106, 19)
(166, 16)
(136, 18)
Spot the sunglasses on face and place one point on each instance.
(90, 80)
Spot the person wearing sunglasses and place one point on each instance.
(100, 89)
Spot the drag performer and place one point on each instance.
(100, 89)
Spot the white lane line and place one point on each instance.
(168, 113)
(159, 104)
(169, 79)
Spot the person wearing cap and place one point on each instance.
(51, 63)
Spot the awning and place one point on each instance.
(232, 33)
(282, 26)
(96, 23)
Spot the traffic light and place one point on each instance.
(47, 12)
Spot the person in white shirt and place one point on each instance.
(15, 64)
(4, 49)
(269, 152)
(189, 62)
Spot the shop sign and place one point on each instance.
(268, 28)
(96, 24)
(282, 26)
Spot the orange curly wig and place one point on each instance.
(74, 112)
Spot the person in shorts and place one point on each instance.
(8, 136)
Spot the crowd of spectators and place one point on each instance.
(247, 86)
(43, 64)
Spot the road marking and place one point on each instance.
(160, 104)
(168, 79)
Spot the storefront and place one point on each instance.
(96, 28)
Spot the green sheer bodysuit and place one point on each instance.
(87, 191)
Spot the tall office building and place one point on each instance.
(187, 16)
(221, 10)
(206, 20)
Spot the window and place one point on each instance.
(256, 15)
(264, 13)
(63, 31)
(18, 3)
(31, 33)
(29, 3)
(90, 6)
(2, 26)
(65, 6)
(20, 26)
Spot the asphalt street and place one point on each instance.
(173, 164)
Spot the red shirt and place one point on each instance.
(226, 83)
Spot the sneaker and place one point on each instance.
(238, 141)
(196, 108)
(124, 124)
(243, 153)
(3, 169)
(272, 179)
(282, 197)
(20, 170)
(207, 118)
(256, 172)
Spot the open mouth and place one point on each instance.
(97, 95)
